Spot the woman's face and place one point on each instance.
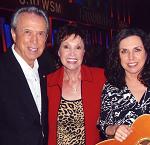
(71, 52)
(132, 54)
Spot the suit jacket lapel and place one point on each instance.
(44, 103)
(22, 85)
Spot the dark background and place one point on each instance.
(139, 11)
(140, 14)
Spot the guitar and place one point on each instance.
(139, 136)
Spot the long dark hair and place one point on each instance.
(114, 72)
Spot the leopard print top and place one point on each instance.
(70, 127)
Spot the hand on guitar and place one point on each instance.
(119, 132)
(122, 132)
(137, 134)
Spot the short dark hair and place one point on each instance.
(114, 72)
(63, 33)
(29, 9)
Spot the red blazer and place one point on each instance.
(92, 83)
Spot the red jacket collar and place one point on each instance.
(56, 78)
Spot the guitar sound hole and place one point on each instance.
(144, 142)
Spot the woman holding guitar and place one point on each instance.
(126, 94)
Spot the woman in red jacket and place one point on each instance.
(74, 93)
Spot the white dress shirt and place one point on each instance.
(32, 77)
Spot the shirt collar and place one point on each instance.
(23, 63)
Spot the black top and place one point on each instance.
(119, 106)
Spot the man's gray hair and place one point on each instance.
(30, 9)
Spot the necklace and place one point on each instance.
(75, 84)
(74, 89)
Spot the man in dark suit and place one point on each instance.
(23, 100)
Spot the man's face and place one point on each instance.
(30, 36)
